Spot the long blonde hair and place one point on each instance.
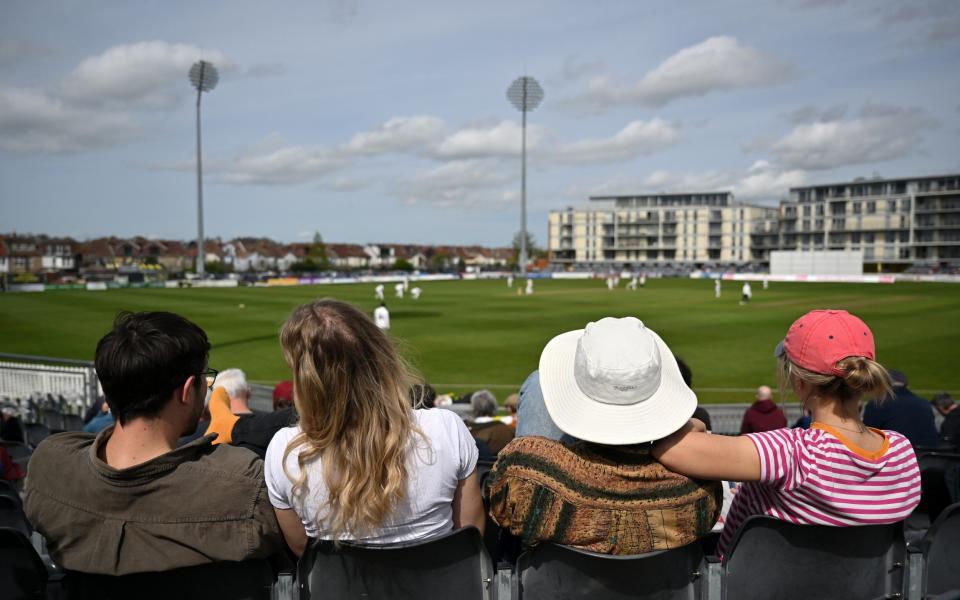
(861, 376)
(350, 389)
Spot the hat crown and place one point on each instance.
(617, 361)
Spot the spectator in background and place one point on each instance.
(903, 412)
(101, 421)
(763, 414)
(11, 429)
(234, 381)
(128, 500)
(613, 387)
(422, 395)
(828, 359)
(283, 395)
(700, 413)
(950, 428)
(511, 404)
(484, 427)
(362, 464)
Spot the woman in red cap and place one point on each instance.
(837, 472)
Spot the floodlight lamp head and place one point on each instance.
(525, 93)
(204, 76)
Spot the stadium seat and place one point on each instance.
(777, 560)
(12, 516)
(73, 423)
(935, 493)
(246, 580)
(453, 566)
(22, 574)
(35, 433)
(939, 570)
(19, 453)
(550, 571)
(7, 490)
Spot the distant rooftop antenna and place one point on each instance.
(204, 77)
(525, 94)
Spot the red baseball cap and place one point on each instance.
(818, 340)
(283, 391)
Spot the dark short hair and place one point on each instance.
(145, 357)
(685, 372)
(424, 394)
(943, 400)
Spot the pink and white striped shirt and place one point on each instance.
(817, 477)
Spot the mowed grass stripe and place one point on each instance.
(479, 331)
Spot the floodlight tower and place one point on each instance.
(204, 77)
(525, 94)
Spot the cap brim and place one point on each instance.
(580, 416)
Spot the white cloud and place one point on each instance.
(32, 121)
(638, 137)
(459, 184)
(500, 140)
(399, 134)
(879, 133)
(145, 74)
(286, 166)
(762, 182)
(715, 64)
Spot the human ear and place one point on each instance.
(188, 388)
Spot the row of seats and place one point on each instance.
(770, 559)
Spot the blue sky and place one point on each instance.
(388, 121)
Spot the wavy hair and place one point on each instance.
(861, 376)
(350, 388)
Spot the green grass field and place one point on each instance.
(467, 334)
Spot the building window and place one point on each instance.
(871, 208)
(890, 237)
(855, 238)
(868, 238)
(857, 209)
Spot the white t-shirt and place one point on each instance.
(381, 316)
(434, 469)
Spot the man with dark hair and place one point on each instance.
(128, 500)
(950, 428)
(903, 412)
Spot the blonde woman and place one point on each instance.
(362, 464)
(838, 472)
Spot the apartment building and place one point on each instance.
(904, 220)
(685, 229)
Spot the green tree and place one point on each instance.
(402, 264)
(439, 262)
(533, 251)
(317, 254)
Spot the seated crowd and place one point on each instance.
(604, 449)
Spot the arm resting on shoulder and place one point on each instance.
(707, 456)
(292, 529)
(467, 504)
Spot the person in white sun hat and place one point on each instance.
(615, 386)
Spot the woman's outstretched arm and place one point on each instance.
(695, 453)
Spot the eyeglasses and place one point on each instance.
(211, 375)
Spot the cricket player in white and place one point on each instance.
(529, 287)
(398, 290)
(381, 316)
(415, 293)
(716, 287)
(378, 292)
(747, 293)
(633, 283)
(643, 279)
(510, 281)
(406, 283)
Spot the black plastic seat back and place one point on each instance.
(7, 490)
(72, 422)
(453, 566)
(941, 548)
(776, 560)
(22, 574)
(550, 571)
(935, 494)
(12, 515)
(35, 433)
(245, 580)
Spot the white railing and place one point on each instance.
(23, 376)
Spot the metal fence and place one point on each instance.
(72, 384)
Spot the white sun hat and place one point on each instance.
(614, 382)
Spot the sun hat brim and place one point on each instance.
(580, 416)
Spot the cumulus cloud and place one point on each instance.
(147, 74)
(762, 182)
(399, 134)
(879, 133)
(808, 113)
(637, 138)
(501, 139)
(286, 166)
(32, 121)
(459, 184)
(715, 64)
